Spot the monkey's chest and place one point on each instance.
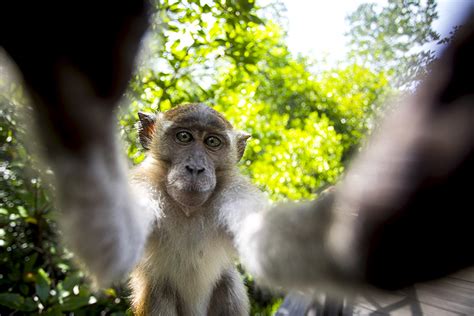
(190, 257)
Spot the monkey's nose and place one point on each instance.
(194, 170)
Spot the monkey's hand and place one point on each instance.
(288, 247)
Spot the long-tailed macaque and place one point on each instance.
(195, 200)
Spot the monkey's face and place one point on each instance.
(196, 147)
(193, 159)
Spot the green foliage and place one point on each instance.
(393, 37)
(304, 127)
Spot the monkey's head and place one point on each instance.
(196, 146)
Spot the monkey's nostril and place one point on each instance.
(190, 169)
(194, 170)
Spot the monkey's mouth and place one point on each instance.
(191, 187)
(193, 198)
(189, 196)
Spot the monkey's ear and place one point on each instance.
(146, 128)
(241, 143)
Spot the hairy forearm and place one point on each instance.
(287, 246)
(98, 210)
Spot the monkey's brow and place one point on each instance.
(210, 123)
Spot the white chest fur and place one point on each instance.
(190, 255)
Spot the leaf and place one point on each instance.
(42, 285)
(28, 305)
(17, 302)
(70, 281)
(22, 211)
(110, 292)
(255, 19)
(74, 302)
(206, 8)
(11, 300)
(28, 267)
(31, 220)
(24, 289)
(173, 28)
(54, 311)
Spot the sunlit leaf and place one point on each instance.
(42, 285)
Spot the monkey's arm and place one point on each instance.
(402, 214)
(102, 218)
(286, 246)
(75, 83)
(105, 220)
(279, 246)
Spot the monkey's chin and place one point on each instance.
(189, 201)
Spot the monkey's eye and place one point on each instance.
(184, 137)
(212, 141)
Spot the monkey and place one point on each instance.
(197, 200)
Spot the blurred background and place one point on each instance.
(307, 79)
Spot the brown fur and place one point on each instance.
(185, 111)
